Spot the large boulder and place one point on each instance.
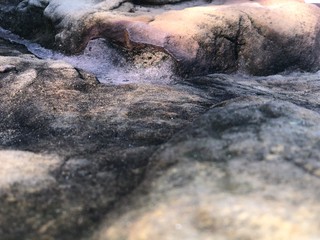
(248, 169)
(257, 37)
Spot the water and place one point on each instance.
(104, 61)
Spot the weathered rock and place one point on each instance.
(258, 37)
(71, 147)
(297, 88)
(158, 1)
(30, 171)
(248, 169)
(11, 49)
(27, 19)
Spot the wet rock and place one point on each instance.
(247, 169)
(217, 36)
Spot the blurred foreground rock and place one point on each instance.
(247, 169)
(82, 160)
(71, 147)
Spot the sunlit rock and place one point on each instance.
(256, 37)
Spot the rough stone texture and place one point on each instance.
(158, 2)
(258, 37)
(83, 160)
(248, 169)
(27, 19)
(298, 88)
(83, 145)
(27, 169)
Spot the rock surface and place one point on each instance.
(247, 169)
(258, 37)
(217, 156)
(71, 147)
(159, 2)
(27, 169)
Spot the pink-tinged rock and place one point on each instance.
(256, 37)
(262, 37)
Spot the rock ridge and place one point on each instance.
(215, 37)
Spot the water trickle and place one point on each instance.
(104, 61)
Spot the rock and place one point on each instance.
(85, 160)
(7, 68)
(71, 147)
(247, 169)
(298, 88)
(11, 49)
(158, 1)
(27, 170)
(219, 36)
(27, 19)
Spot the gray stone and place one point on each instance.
(27, 170)
(159, 2)
(7, 68)
(247, 169)
(71, 147)
(217, 156)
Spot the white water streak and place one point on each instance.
(103, 61)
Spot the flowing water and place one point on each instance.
(102, 60)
